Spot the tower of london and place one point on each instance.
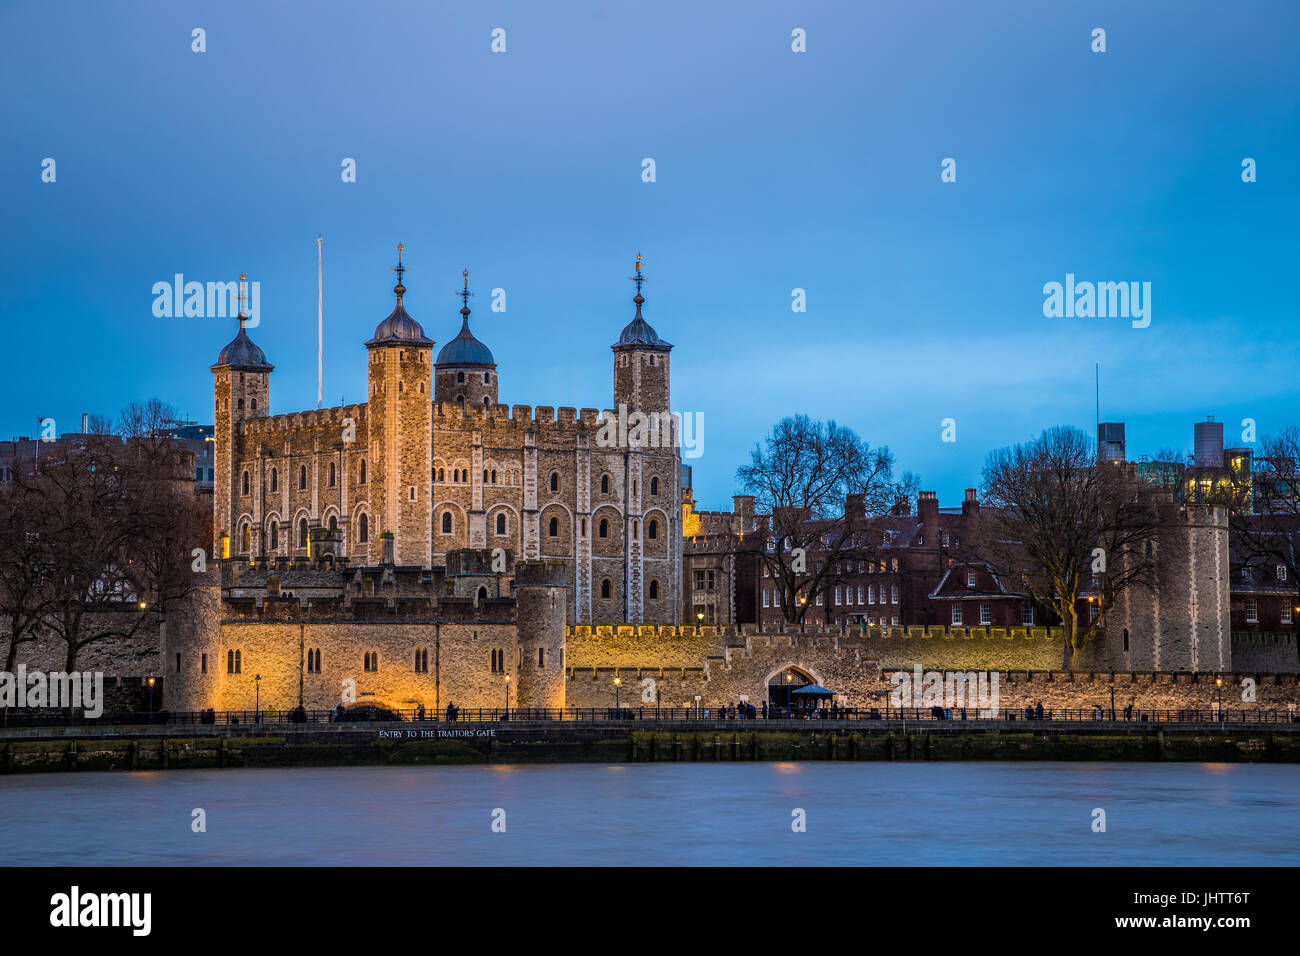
(433, 462)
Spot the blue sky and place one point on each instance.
(775, 171)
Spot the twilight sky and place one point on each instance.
(775, 170)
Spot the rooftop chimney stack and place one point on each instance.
(927, 509)
(971, 504)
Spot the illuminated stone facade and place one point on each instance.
(434, 460)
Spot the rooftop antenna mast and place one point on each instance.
(1097, 371)
(320, 323)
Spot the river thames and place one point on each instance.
(900, 814)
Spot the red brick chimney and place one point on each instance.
(901, 506)
(927, 509)
(971, 506)
(855, 508)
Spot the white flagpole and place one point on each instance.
(320, 323)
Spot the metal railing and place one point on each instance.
(371, 714)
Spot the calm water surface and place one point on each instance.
(658, 814)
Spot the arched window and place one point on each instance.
(482, 594)
(584, 527)
(654, 486)
(654, 590)
(461, 401)
(652, 529)
(494, 477)
(245, 482)
(302, 477)
(555, 527)
(603, 528)
(302, 533)
(604, 589)
(275, 480)
(460, 378)
(275, 535)
(555, 482)
(501, 523)
(363, 529)
(485, 476)
(334, 522)
(361, 473)
(604, 484)
(246, 537)
(487, 379)
(331, 474)
(486, 402)
(442, 474)
(446, 522)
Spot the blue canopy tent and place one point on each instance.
(810, 695)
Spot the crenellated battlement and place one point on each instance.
(566, 415)
(289, 422)
(363, 610)
(839, 633)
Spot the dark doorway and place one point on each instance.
(780, 692)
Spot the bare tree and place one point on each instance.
(1067, 529)
(1265, 517)
(118, 520)
(802, 475)
(24, 570)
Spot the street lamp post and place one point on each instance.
(507, 697)
(1218, 683)
(789, 696)
(617, 682)
(257, 698)
(1112, 701)
(697, 706)
(151, 680)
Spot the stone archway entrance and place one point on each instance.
(780, 690)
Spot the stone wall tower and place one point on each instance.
(400, 421)
(241, 390)
(651, 466)
(465, 373)
(539, 588)
(641, 380)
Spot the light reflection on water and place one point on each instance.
(662, 814)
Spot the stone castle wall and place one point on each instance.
(724, 663)
(489, 470)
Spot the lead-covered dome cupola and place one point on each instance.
(465, 372)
